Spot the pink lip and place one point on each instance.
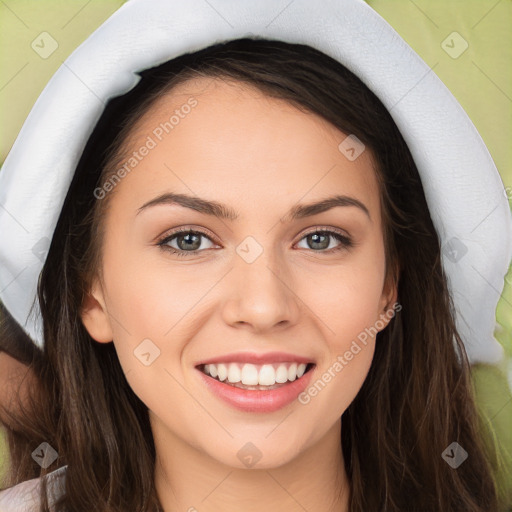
(258, 400)
(254, 358)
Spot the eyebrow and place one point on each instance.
(222, 211)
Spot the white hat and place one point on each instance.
(463, 188)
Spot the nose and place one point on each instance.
(261, 295)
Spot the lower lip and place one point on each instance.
(249, 400)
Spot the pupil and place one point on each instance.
(315, 240)
(191, 244)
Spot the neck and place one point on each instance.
(190, 480)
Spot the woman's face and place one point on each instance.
(263, 281)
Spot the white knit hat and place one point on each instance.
(463, 188)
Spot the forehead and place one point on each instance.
(237, 143)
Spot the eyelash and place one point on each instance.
(345, 241)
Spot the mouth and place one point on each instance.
(256, 387)
(256, 377)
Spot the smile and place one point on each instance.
(252, 376)
(256, 387)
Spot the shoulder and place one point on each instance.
(25, 497)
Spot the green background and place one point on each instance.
(480, 78)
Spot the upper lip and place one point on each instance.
(255, 358)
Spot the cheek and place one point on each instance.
(347, 297)
(151, 299)
(347, 301)
(148, 307)
(144, 295)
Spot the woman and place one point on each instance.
(234, 223)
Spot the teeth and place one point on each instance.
(281, 374)
(254, 375)
(222, 371)
(249, 375)
(292, 372)
(234, 374)
(267, 375)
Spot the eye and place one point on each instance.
(187, 241)
(320, 239)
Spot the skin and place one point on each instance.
(260, 156)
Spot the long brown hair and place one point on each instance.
(417, 398)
